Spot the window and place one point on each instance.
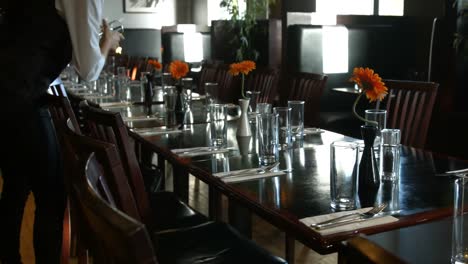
(391, 7)
(360, 7)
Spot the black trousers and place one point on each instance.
(30, 160)
(31, 56)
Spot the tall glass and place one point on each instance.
(297, 118)
(267, 134)
(343, 174)
(218, 125)
(253, 96)
(460, 225)
(379, 116)
(211, 93)
(284, 124)
(263, 108)
(170, 98)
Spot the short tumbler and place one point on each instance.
(343, 174)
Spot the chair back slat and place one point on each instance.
(113, 130)
(265, 81)
(409, 108)
(307, 87)
(207, 74)
(117, 238)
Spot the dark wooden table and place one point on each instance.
(420, 196)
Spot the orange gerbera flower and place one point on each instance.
(156, 64)
(370, 83)
(243, 67)
(234, 69)
(178, 69)
(246, 66)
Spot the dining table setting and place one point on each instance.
(281, 172)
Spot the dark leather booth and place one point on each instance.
(142, 42)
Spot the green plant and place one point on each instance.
(242, 25)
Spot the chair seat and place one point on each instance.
(212, 242)
(169, 212)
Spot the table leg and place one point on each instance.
(290, 248)
(214, 204)
(240, 218)
(181, 182)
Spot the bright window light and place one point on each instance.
(186, 28)
(193, 47)
(335, 49)
(391, 7)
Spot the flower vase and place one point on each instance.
(148, 94)
(178, 107)
(243, 125)
(368, 179)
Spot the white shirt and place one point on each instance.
(84, 19)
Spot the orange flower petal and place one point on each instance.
(178, 69)
(370, 82)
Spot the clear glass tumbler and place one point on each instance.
(390, 159)
(263, 108)
(460, 223)
(284, 125)
(170, 98)
(297, 118)
(343, 174)
(267, 135)
(218, 125)
(379, 116)
(253, 96)
(211, 93)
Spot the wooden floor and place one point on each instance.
(263, 233)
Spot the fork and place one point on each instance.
(350, 217)
(252, 171)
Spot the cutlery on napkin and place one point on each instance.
(198, 151)
(115, 104)
(156, 131)
(140, 118)
(249, 174)
(351, 225)
(312, 130)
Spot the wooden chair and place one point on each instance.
(359, 250)
(265, 81)
(116, 237)
(307, 87)
(207, 74)
(409, 107)
(229, 87)
(160, 210)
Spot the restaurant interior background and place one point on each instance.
(296, 37)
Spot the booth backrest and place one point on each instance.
(142, 42)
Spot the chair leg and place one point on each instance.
(290, 243)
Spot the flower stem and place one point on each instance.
(358, 116)
(242, 87)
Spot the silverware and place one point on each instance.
(463, 173)
(349, 218)
(251, 171)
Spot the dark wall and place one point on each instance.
(142, 42)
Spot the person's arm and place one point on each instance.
(84, 19)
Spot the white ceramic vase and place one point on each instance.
(243, 126)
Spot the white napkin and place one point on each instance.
(156, 131)
(92, 96)
(379, 220)
(115, 104)
(246, 177)
(198, 151)
(140, 118)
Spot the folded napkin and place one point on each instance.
(96, 96)
(156, 131)
(312, 130)
(378, 220)
(140, 118)
(115, 104)
(250, 174)
(198, 151)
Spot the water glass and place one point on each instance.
(186, 98)
(343, 174)
(143, 84)
(218, 125)
(284, 125)
(379, 116)
(263, 108)
(187, 83)
(166, 79)
(460, 224)
(170, 98)
(219, 163)
(390, 159)
(297, 118)
(267, 135)
(253, 96)
(211, 93)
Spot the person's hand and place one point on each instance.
(110, 39)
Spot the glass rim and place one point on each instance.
(254, 92)
(210, 83)
(343, 143)
(375, 111)
(296, 102)
(281, 108)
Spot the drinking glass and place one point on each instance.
(379, 116)
(170, 98)
(253, 96)
(143, 84)
(390, 159)
(187, 83)
(218, 125)
(115, 25)
(219, 163)
(211, 93)
(284, 125)
(460, 224)
(267, 135)
(263, 108)
(297, 118)
(186, 98)
(166, 79)
(343, 174)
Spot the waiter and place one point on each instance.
(38, 39)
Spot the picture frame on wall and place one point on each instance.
(140, 6)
